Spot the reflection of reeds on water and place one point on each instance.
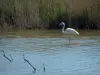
(11, 60)
(34, 69)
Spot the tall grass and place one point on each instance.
(30, 13)
(45, 14)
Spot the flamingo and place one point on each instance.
(69, 31)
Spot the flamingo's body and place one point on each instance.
(69, 31)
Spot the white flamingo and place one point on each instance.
(69, 31)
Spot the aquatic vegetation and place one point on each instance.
(29, 14)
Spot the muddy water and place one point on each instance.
(51, 48)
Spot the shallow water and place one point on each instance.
(51, 48)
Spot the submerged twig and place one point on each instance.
(34, 69)
(11, 57)
(43, 68)
(7, 57)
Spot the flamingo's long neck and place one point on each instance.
(63, 28)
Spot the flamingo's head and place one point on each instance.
(62, 23)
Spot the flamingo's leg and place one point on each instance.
(69, 38)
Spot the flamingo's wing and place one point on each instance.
(71, 31)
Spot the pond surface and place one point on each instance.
(50, 53)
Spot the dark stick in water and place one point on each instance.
(43, 68)
(11, 57)
(34, 69)
(7, 57)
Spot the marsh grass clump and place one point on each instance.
(30, 14)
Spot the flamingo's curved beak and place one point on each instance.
(60, 24)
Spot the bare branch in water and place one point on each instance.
(11, 57)
(34, 69)
(11, 60)
(43, 68)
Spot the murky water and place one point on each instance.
(51, 48)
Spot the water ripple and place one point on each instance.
(80, 57)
